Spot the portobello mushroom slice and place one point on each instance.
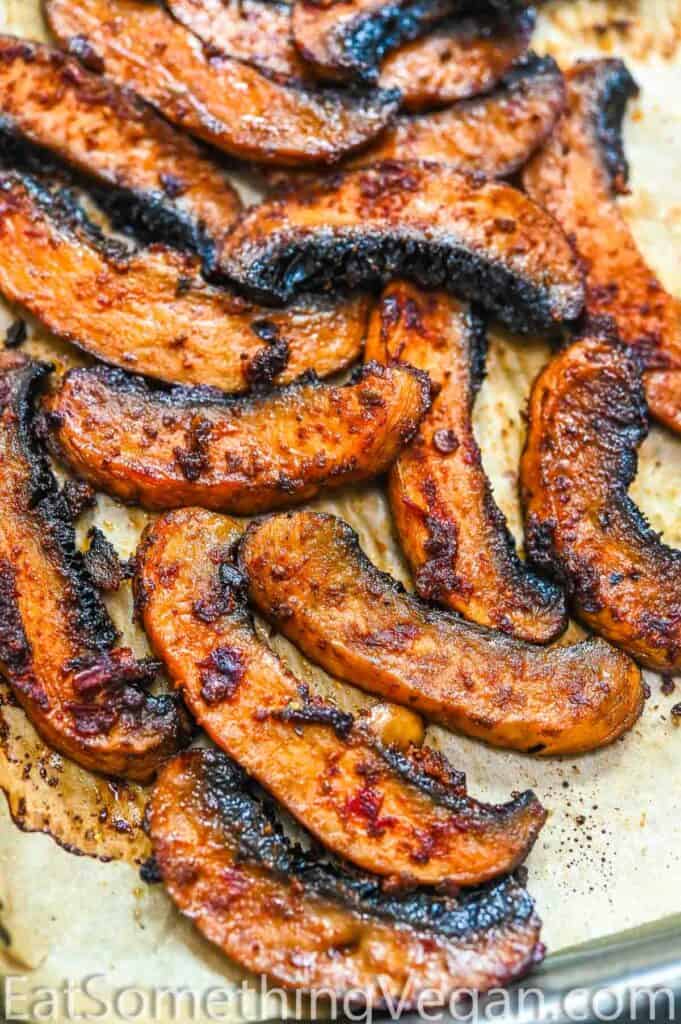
(493, 135)
(400, 814)
(85, 697)
(423, 221)
(308, 575)
(454, 535)
(313, 924)
(347, 39)
(458, 59)
(155, 176)
(85, 289)
(587, 417)
(576, 177)
(221, 100)
(169, 448)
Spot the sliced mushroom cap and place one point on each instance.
(454, 535)
(405, 815)
(85, 697)
(307, 574)
(587, 417)
(425, 221)
(221, 100)
(86, 289)
(576, 177)
(314, 925)
(180, 446)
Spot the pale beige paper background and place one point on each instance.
(609, 856)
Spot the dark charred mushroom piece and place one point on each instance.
(422, 221)
(344, 40)
(224, 101)
(576, 177)
(154, 177)
(587, 419)
(494, 134)
(89, 290)
(454, 535)
(313, 924)
(169, 448)
(460, 58)
(308, 575)
(85, 697)
(403, 814)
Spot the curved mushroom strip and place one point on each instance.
(460, 58)
(404, 815)
(86, 699)
(576, 177)
(492, 135)
(156, 177)
(90, 291)
(453, 533)
(587, 418)
(313, 925)
(219, 99)
(347, 39)
(308, 575)
(165, 449)
(422, 221)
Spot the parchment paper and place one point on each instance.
(608, 858)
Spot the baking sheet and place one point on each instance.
(609, 856)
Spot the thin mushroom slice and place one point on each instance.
(344, 40)
(454, 535)
(165, 449)
(424, 221)
(90, 291)
(154, 176)
(587, 417)
(57, 643)
(400, 814)
(312, 924)
(308, 575)
(458, 59)
(576, 177)
(219, 99)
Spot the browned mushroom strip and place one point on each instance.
(454, 535)
(223, 101)
(150, 311)
(404, 815)
(587, 418)
(308, 575)
(165, 449)
(576, 178)
(84, 697)
(313, 925)
(424, 221)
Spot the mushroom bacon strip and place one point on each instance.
(165, 449)
(90, 291)
(223, 101)
(156, 178)
(454, 535)
(84, 697)
(424, 221)
(312, 924)
(587, 416)
(460, 58)
(400, 814)
(307, 574)
(347, 39)
(576, 177)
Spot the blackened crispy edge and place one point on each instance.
(50, 508)
(611, 85)
(261, 842)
